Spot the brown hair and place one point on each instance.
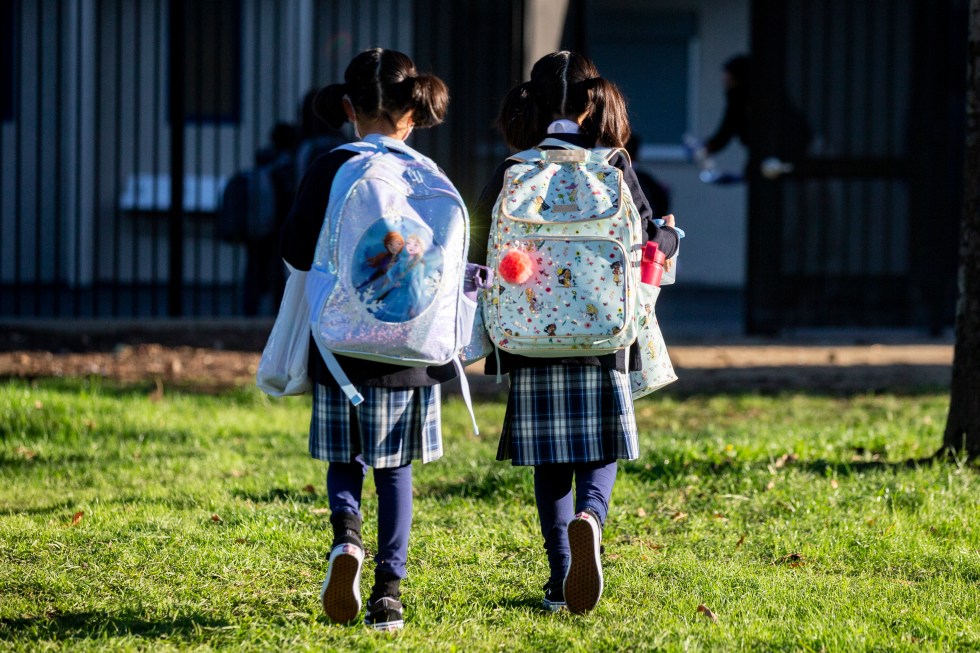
(390, 238)
(384, 84)
(564, 85)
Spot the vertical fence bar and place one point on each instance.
(138, 298)
(136, 292)
(77, 273)
(847, 141)
(58, 102)
(7, 13)
(868, 255)
(117, 166)
(96, 158)
(158, 47)
(800, 218)
(215, 168)
(18, 140)
(200, 116)
(891, 149)
(39, 162)
(177, 106)
(236, 158)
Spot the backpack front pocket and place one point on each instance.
(576, 295)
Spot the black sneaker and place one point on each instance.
(554, 596)
(583, 582)
(385, 613)
(341, 591)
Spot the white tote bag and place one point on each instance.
(657, 369)
(282, 369)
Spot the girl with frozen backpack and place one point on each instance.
(398, 420)
(570, 418)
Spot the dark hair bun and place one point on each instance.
(430, 101)
(328, 105)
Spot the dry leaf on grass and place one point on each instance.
(215, 518)
(76, 519)
(309, 489)
(706, 611)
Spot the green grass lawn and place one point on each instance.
(199, 522)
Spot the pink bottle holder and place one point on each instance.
(652, 264)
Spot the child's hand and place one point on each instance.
(669, 220)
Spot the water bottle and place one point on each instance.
(652, 264)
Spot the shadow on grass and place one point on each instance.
(650, 471)
(491, 485)
(532, 603)
(815, 380)
(94, 624)
(278, 495)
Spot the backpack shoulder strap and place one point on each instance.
(378, 144)
(607, 153)
(525, 155)
(557, 142)
(597, 154)
(359, 147)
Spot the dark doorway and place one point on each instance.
(863, 231)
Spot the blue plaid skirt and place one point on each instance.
(391, 428)
(568, 414)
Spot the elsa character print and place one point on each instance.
(393, 245)
(400, 292)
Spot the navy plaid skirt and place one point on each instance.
(391, 428)
(568, 414)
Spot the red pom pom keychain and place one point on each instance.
(516, 267)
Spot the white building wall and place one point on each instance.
(714, 217)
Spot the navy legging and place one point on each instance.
(394, 485)
(553, 495)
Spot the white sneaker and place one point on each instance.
(583, 582)
(341, 592)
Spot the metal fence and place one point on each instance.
(107, 210)
(865, 233)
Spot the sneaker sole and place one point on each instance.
(387, 626)
(552, 606)
(583, 583)
(341, 589)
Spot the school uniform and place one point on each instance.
(569, 410)
(570, 418)
(399, 420)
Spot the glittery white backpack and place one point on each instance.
(387, 277)
(565, 245)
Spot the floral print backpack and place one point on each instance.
(564, 245)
